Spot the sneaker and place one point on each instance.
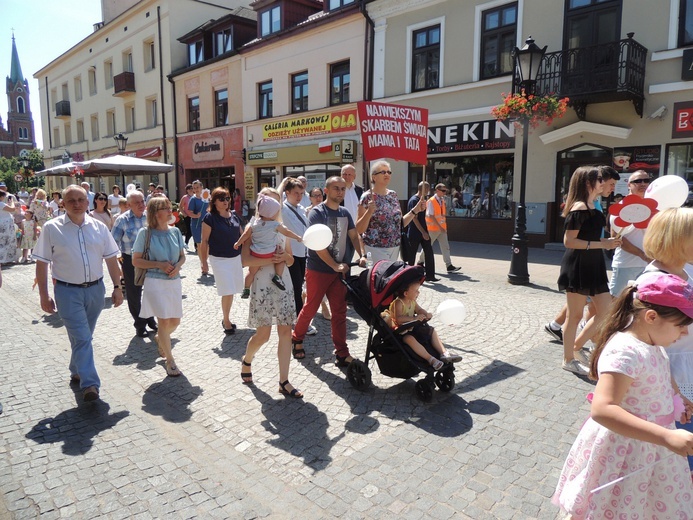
(583, 357)
(246, 294)
(447, 357)
(312, 331)
(453, 269)
(575, 367)
(276, 280)
(437, 364)
(555, 334)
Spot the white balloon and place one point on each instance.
(451, 312)
(317, 237)
(670, 191)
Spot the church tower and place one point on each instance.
(19, 134)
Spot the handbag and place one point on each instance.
(141, 272)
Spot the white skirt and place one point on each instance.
(228, 274)
(162, 298)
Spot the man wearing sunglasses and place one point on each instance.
(437, 226)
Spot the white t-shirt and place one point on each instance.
(351, 201)
(625, 259)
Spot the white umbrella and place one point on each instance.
(114, 165)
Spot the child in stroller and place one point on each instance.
(404, 309)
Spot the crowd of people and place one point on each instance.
(629, 457)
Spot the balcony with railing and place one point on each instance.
(608, 72)
(124, 84)
(62, 109)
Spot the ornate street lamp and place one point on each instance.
(121, 143)
(527, 62)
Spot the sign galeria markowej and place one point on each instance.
(320, 124)
(393, 131)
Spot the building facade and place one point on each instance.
(622, 63)
(116, 81)
(19, 134)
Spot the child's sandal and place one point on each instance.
(437, 364)
(246, 293)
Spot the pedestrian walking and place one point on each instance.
(125, 230)
(417, 233)
(8, 237)
(221, 228)
(631, 425)
(197, 208)
(353, 191)
(437, 226)
(183, 210)
(162, 292)
(295, 219)
(75, 245)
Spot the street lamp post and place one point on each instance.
(121, 143)
(527, 62)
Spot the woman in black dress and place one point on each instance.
(583, 270)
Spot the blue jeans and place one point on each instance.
(79, 308)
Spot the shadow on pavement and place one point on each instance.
(301, 432)
(171, 399)
(140, 352)
(494, 372)
(76, 427)
(52, 320)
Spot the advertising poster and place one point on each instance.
(319, 124)
(628, 159)
(393, 132)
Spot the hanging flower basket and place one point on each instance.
(534, 109)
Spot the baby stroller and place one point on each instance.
(372, 291)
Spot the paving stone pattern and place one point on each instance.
(206, 446)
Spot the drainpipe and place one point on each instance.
(48, 104)
(368, 55)
(175, 134)
(163, 105)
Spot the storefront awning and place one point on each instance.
(580, 127)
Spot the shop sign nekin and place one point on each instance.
(470, 137)
(393, 131)
(320, 124)
(683, 120)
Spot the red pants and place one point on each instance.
(318, 285)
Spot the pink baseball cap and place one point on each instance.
(667, 290)
(267, 207)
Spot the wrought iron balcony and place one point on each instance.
(62, 109)
(613, 71)
(124, 84)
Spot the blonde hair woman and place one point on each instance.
(162, 294)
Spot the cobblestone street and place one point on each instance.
(206, 446)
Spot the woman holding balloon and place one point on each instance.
(583, 269)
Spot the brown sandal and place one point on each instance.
(172, 369)
(298, 351)
(247, 377)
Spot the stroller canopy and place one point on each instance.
(386, 278)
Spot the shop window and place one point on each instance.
(195, 52)
(680, 162)
(478, 186)
(264, 96)
(221, 107)
(685, 23)
(316, 174)
(340, 79)
(213, 177)
(270, 21)
(498, 36)
(193, 114)
(425, 61)
(299, 92)
(223, 41)
(338, 4)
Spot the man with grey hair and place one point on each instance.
(125, 232)
(90, 194)
(353, 191)
(76, 245)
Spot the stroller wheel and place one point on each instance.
(358, 374)
(445, 380)
(424, 390)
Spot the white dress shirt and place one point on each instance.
(76, 253)
(351, 202)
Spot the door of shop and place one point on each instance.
(567, 161)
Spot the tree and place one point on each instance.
(11, 166)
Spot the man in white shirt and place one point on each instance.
(353, 191)
(90, 194)
(76, 245)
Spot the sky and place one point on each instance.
(43, 30)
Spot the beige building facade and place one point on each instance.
(631, 95)
(115, 81)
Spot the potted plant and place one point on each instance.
(531, 108)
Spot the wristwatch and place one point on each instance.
(117, 287)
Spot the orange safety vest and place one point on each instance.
(437, 223)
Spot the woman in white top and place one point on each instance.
(114, 201)
(100, 211)
(8, 237)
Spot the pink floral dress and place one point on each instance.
(598, 455)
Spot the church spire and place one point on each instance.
(15, 68)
